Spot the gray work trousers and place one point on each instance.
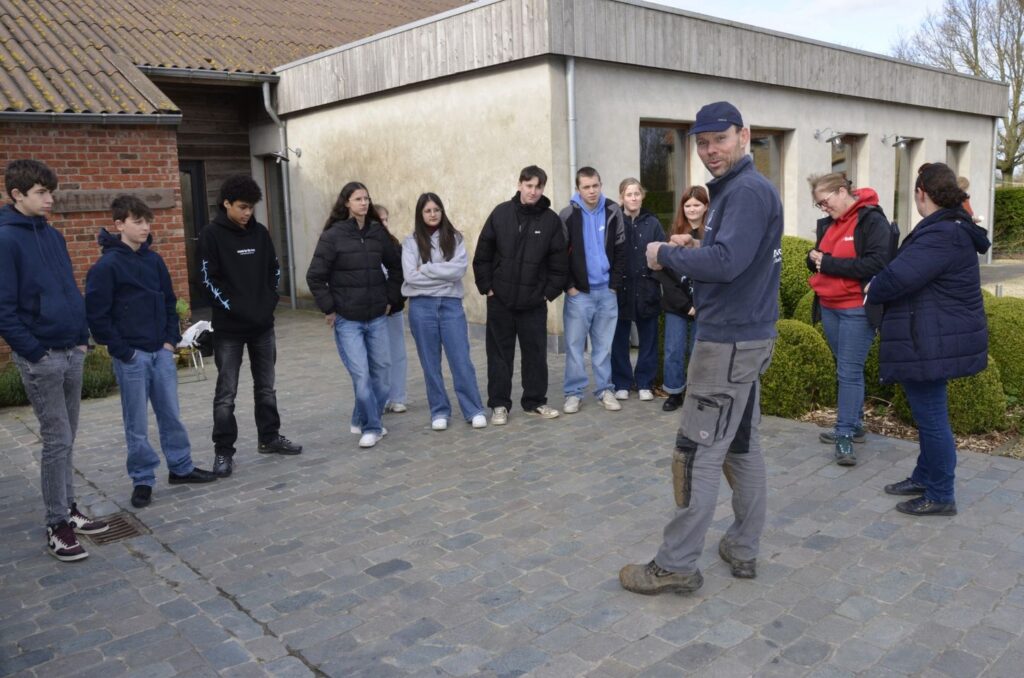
(718, 431)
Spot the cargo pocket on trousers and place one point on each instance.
(749, 360)
(705, 418)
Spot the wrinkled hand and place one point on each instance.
(330, 318)
(652, 255)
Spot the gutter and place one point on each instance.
(570, 94)
(285, 174)
(93, 118)
(204, 74)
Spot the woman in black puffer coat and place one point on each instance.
(933, 329)
(347, 279)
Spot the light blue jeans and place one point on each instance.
(363, 347)
(152, 378)
(592, 315)
(439, 323)
(849, 336)
(680, 333)
(399, 362)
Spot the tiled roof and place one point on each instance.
(81, 56)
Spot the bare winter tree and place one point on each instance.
(983, 38)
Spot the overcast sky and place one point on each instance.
(870, 25)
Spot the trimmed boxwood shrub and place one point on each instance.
(977, 403)
(802, 375)
(793, 283)
(873, 386)
(1006, 341)
(1008, 222)
(98, 378)
(804, 309)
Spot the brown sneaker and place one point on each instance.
(650, 580)
(741, 569)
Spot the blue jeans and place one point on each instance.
(363, 347)
(849, 336)
(399, 362)
(623, 375)
(680, 333)
(439, 323)
(227, 353)
(54, 387)
(593, 315)
(936, 462)
(152, 378)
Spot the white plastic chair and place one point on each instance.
(188, 340)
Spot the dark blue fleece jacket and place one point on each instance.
(40, 305)
(735, 271)
(129, 299)
(934, 325)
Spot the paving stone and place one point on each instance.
(516, 662)
(959, 664)
(806, 652)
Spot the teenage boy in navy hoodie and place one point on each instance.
(42, 318)
(240, 275)
(130, 305)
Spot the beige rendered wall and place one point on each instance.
(464, 138)
(611, 100)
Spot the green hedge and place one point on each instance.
(1008, 222)
(977, 403)
(804, 309)
(1006, 341)
(802, 376)
(98, 379)
(793, 283)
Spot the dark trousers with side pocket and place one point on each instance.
(718, 431)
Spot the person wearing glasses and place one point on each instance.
(934, 329)
(854, 243)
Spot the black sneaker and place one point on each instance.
(829, 437)
(196, 475)
(926, 507)
(280, 445)
(650, 580)
(222, 465)
(673, 403)
(63, 544)
(905, 488)
(83, 524)
(141, 496)
(845, 456)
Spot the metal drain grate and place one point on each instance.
(122, 526)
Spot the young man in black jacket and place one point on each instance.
(520, 263)
(240, 276)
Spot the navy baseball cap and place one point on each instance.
(716, 117)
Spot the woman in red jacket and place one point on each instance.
(854, 243)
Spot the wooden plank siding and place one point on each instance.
(501, 31)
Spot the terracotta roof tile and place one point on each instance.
(80, 56)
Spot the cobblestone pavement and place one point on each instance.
(495, 552)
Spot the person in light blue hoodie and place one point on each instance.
(596, 235)
(434, 261)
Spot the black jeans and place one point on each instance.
(227, 353)
(504, 325)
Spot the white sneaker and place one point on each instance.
(646, 394)
(609, 401)
(439, 424)
(396, 407)
(479, 421)
(544, 412)
(623, 394)
(355, 429)
(572, 405)
(371, 439)
(500, 416)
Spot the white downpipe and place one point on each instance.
(990, 220)
(570, 93)
(287, 189)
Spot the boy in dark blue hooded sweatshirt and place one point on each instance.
(42, 318)
(131, 309)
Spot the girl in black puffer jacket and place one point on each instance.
(347, 279)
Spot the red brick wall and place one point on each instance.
(107, 157)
